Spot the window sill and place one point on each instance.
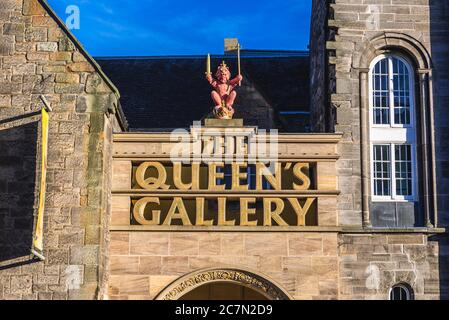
(395, 230)
(396, 126)
(393, 200)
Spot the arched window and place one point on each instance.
(401, 292)
(392, 130)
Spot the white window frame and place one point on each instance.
(411, 125)
(393, 134)
(394, 196)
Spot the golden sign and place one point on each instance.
(219, 194)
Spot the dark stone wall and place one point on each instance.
(439, 38)
(319, 98)
(439, 48)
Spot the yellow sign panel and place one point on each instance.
(38, 242)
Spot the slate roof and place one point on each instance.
(171, 92)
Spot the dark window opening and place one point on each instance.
(401, 292)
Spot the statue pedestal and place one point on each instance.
(223, 127)
(224, 123)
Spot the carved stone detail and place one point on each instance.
(241, 277)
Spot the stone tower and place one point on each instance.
(360, 53)
(346, 37)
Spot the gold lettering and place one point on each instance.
(222, 213)
(177, 177)
(275, 215)
(237, 176)
(297, 171)
(200, 214)
(152, 183)
(301, 212)
(153, 176)
(139, 211)
(245, 211)
(273, 180)
(177, 211)
(214, 175)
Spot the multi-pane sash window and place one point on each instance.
(391, 92)
(392, 171)
(381, 92)
(403, 170)
(392, 131)
(382, 170)
(401, 92)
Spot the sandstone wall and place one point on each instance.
(309, 265)
(144, 263)
(146, 257)
(37, 57)
(370, 264)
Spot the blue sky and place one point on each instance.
(184, 27)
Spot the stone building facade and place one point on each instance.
(351, 246)
(147, 257)
(346, 38)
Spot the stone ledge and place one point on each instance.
(237, 229)
(228, 123)
(337, 229)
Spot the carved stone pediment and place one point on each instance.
(245, 278)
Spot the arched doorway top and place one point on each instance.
(250, 279)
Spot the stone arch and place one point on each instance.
(388, 41)
(256, 281)
(408, 287)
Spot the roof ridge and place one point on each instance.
(88, 57)
(274, 55)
